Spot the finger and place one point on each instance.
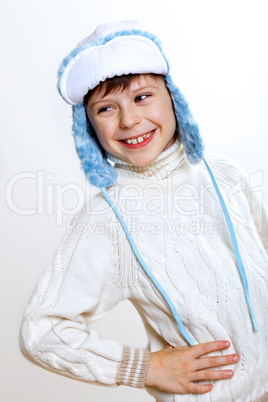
(209, 347)
(211, 375)
(199, 389)
(215, 361)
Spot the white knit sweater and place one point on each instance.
(176, 220)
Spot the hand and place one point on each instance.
(177, 369)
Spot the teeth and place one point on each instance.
(139, 139)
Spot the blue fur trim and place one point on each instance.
(189, 131)
(103, 41)
(98, 170)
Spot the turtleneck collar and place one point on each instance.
(166, 162)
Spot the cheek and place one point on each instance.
(166, 111)
(100, 126)
(104, 133)
(158, 114)
(170, 116)
(167, 119)
(100, 129)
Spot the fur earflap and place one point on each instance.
(189, 131)
(99, 172)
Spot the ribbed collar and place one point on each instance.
(166, 162)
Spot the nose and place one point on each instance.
(129, 117)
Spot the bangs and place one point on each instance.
(117, 84)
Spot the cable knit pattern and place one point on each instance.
(175, 218)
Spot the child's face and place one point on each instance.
(136, 124)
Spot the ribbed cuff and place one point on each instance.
(263, 398)
(133, 368)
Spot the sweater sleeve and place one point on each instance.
(79, 287)
(257, 206)
(260, 216)
(254, 213)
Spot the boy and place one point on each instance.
(189, 287)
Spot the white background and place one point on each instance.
(219, 56)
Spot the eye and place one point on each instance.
(140, 98)
(105, 109)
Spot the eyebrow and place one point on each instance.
(145, 87)
(97, 102)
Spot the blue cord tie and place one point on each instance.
(173, 309)
(235, 247)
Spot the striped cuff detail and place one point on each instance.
(263, 398)
(133, 368)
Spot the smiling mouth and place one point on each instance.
(138, 140)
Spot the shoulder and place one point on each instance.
(95, 207)
(225, 167)
(92, 225)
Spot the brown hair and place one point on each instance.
(117, 84)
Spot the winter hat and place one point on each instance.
(116, 49)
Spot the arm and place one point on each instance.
(258, 209)
(56, 335)
(244, 200)
(76, 289)
(257, 215)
